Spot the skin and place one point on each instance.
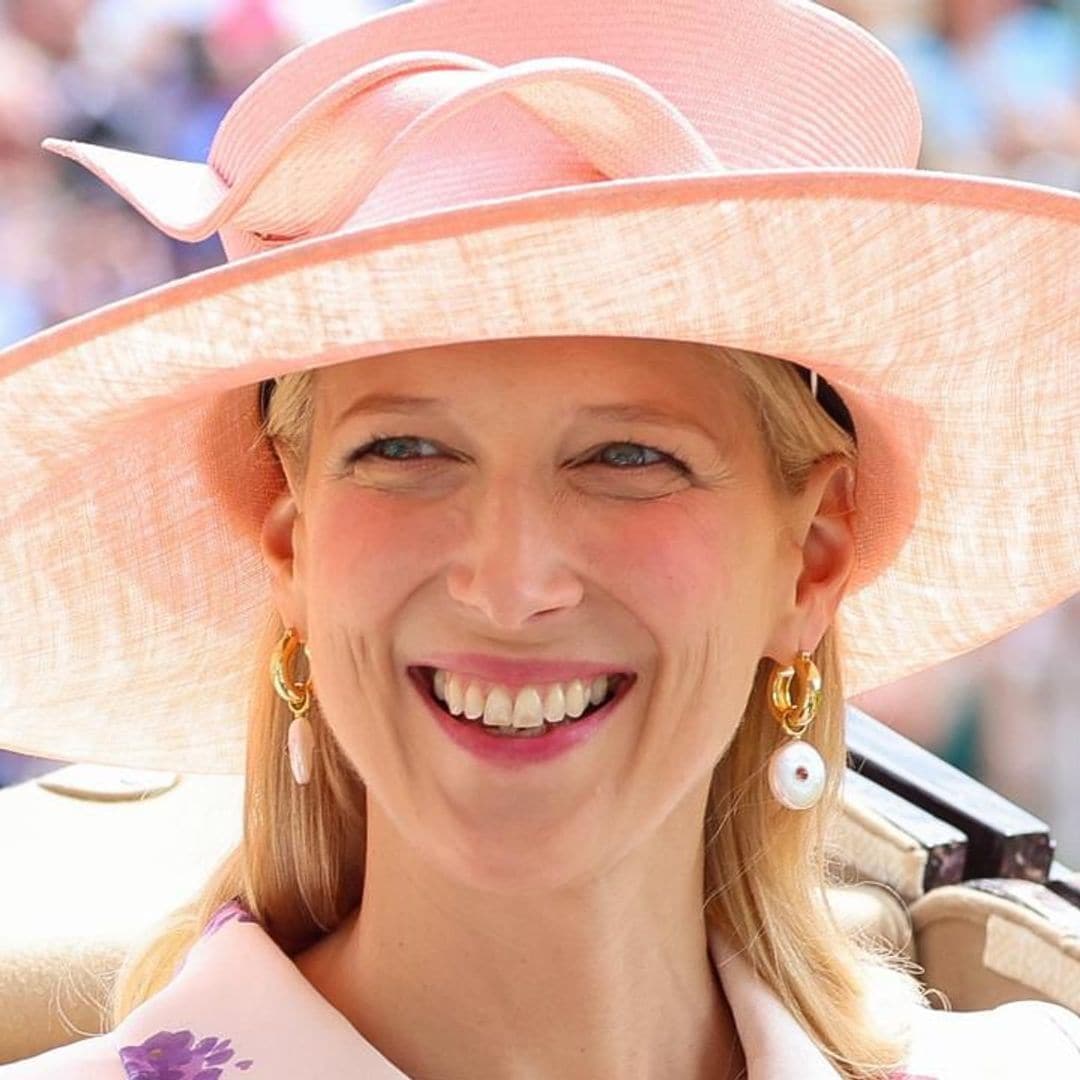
(544, 922)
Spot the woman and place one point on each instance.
(605, 372)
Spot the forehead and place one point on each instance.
(678, 375)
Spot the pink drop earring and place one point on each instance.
(297, 696)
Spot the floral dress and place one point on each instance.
(239, 1008)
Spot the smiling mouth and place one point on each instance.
(424, 677)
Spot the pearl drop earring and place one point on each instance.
(796, 769)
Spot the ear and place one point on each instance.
(821, 539)
(281, 542)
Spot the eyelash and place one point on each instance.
(369, 447)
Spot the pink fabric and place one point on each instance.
(238, 1007)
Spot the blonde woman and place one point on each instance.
(594, 398)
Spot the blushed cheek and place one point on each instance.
(692, 581)
(663, 561)
(369, 552)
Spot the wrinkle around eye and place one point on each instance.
(415, 468)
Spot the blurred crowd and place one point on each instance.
(998, 82)
(149, 75)
(999, 86)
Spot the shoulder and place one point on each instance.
(1014, 1040)
(88, 1059)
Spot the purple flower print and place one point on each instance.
(234, 909)
(169, 1055)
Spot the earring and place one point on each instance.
(298, 697)
(796, 769)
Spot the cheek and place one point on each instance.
(369, 552)
(696, 577)
(684, 564)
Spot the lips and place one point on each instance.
(519, 750)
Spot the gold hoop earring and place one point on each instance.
(297, 696)
(796, 769)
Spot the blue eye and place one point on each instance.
(636, 449)
(382, 448)
(376, 445)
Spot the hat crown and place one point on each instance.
(403, 115)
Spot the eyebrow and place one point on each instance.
(633, 412)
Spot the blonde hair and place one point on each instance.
(299, 867)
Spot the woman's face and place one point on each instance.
(519, 515)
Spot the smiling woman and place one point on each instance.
(515, 511)
(518, 536)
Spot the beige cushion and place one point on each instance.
(883, 837)
(990, 941)
(86, 873)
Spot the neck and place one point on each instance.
(609, 977)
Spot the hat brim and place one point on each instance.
(941, 307)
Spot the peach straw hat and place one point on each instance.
(739, 172)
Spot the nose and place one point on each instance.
(514, 563)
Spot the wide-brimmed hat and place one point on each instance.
(736, 172)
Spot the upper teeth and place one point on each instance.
(529, 707)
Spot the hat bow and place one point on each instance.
(308, 177)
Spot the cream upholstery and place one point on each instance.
(980, 943)
(991, 941)
(86, 875)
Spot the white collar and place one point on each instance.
(239, 998)
(775, 1045)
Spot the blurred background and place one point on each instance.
(999, 85)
